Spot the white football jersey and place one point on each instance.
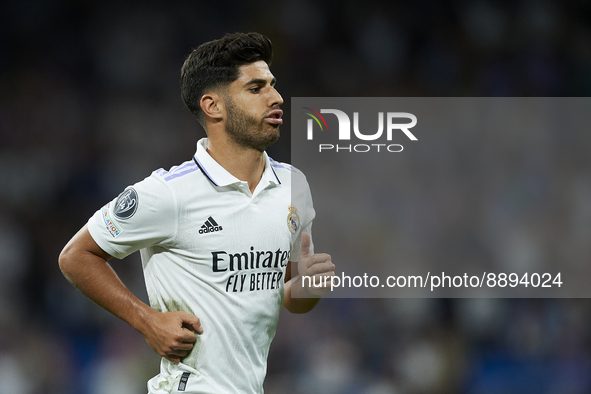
(212, 248)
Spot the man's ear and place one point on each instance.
(212, 105)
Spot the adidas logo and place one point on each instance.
(210, 226)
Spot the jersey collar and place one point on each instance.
(219, 176)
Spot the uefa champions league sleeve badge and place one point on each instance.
(126, 204)
(293, 219)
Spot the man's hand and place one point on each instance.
(318, 267)
(172, 334)
(84, 263)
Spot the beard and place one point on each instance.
(246, 130)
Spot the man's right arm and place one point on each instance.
(85, 265)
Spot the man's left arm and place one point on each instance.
(311, 269)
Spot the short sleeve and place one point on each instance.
(302, 200)
(143, 215)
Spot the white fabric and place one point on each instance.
(232, 278)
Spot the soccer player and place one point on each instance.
(217, 234)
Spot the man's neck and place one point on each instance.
(245, 164)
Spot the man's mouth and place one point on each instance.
(274, 117)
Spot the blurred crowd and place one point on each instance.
(90, 103)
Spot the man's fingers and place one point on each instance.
(197, 327)
(183, 346)
(186, 336)
(180, 353)
(321, 268)
(305, 242)
(322, 280)
(192, 322)
(173, 334)
(319, 258)
(176, 352)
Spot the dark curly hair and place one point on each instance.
(214, 65)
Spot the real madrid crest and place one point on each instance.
(293, 219)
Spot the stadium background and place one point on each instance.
(90, 103)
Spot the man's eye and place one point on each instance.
(255, 90)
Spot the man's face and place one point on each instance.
(253, 116)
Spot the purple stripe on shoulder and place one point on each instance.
(287, 167)
(179, 174)
(181, 167)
